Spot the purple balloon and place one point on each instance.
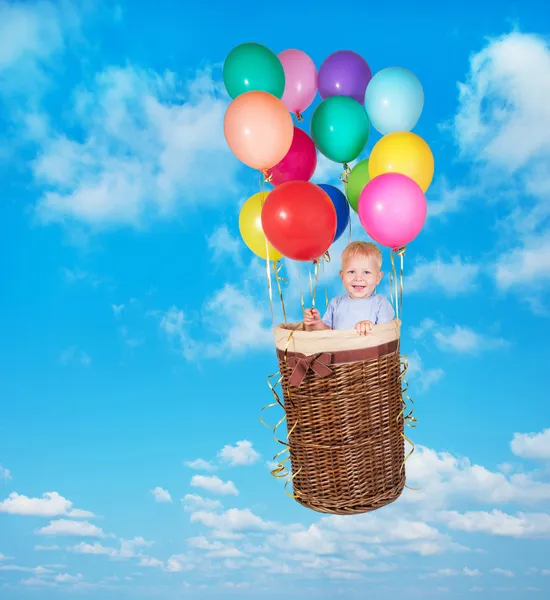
(344, 73)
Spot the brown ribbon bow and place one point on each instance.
(318, 363)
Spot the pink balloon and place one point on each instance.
(300, 80)
(392, 209)
(300, 161)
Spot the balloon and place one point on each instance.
(300, 80)
(252, 67)
(394, 100)
(406, 153)
(258, 129)
(392, 209)
(250, 226)
(299, 219)
(357, 180)
(340, 205)
(340, 128)
(299, 162)
(344, 73)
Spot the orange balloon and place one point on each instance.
(258, 129)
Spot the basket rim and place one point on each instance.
(290, 337)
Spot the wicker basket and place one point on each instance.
(342, 398)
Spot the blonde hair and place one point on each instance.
(366, 249)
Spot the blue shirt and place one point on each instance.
(344, 312)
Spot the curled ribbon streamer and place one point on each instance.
(344, 176)
(268, 175)
(302, 301)
(277, 266)
(324, 280)
(281, 471)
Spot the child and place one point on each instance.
(361, 307)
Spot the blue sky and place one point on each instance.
(135, 326)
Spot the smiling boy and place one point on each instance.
(360, 307)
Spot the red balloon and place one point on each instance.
(299, 220)
(300, 161)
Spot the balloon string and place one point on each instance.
(277, 266)
(302, 301)
(268, 271)
(344, 176)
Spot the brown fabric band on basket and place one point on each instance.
(319, 363)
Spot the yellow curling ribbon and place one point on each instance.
(344, 176)
(281, 471)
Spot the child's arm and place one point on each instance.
(312, 320)
(385, 311)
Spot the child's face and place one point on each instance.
(360, 275)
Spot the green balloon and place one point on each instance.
(357, 180)
(253, 67)
(340, 128)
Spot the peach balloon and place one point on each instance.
(258, 128)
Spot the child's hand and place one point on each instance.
(364, 327)
(311, 317)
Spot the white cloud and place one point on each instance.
(496, 522)
(200, 464)
(240, 318)
(195, 502)
(215, 548)
(528, 264)
(30, 32)
(117, 309)
(503, 572)
(67, 578)
(40, 570)
(51, 548)
(71, 528)
(231, 522)
(161, 495)
(454, 277)
(500, 119)
(503, 126)
(75, 354)
(442, 477)
(214, 485)
(465, 340)
(4, 473)
(239, 455)
(128, 548)
(4, 557)
(51, 504)
(145, 149)
(178, 563)
(149, 561)
(532, 445)
(424, 378)
(221, 244)
(458, 338)
(236, 319)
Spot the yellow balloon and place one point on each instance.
(250, 226)
(406, 153)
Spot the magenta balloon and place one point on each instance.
(392, 209)
(300, 161)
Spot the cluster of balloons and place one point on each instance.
(299, 219)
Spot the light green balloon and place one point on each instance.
(340, 128)
(357, 180)
(253, 67)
